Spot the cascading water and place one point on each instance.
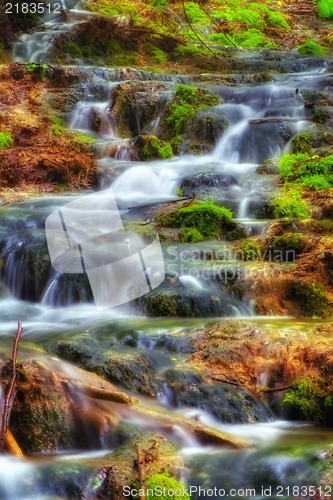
(262, 119)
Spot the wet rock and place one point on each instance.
(135, 105)
(45, 415)
(205, 181)
(124, 366)
(204, 129)
(226, 402)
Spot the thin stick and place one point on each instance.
(11, 390)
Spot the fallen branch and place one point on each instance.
(275, 389)
(9, 396)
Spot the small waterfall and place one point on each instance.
(17, 478)
(144, 185)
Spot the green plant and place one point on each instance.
(289, 204)
(208, 219)
(195, 14)
(180, 192)
(6, 140)
(308, 171)
(159, 56)
(325, 8)
(308, 398)
(58, 127)
(317, 182)
(311, 47)
(313, 298)
(37, 69)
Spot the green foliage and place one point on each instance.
(159, 56)
(251, 251)
(58, 126)
(6, 140)
(308, 171)
(308, 398)
(312, 297)
(317, 182)
(311, 47)
(158, 4)
(289, 204)
(195, 14)
(187, 101)
(208, 219)
(37, 69)
(164, 482)
(155, 148)
(325, 8)
(289, 245)
(302, 143)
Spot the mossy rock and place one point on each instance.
(312, 298)
(302, 143)
(310, 399)
(204, 129)
(152, 148)
(289, 246)
(210, 220)
(186, 103)
(44, 417)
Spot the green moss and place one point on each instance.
(252, 38)
(85, 139)
(313, 299)
(311, 47)
(308, 399)
(155, 148)
(190, 235)
(277, 20)
(187, 101)
(325, 8)
(164, 482)
(74, 50)
(317, 182)
(251, 251)
(208, 219)
(38, 70)
(289, 204)
(302, 143)
(6, 140)
(289, 246)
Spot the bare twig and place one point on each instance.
(9, 396)
(275, 389)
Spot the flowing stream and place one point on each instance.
(57, 308)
